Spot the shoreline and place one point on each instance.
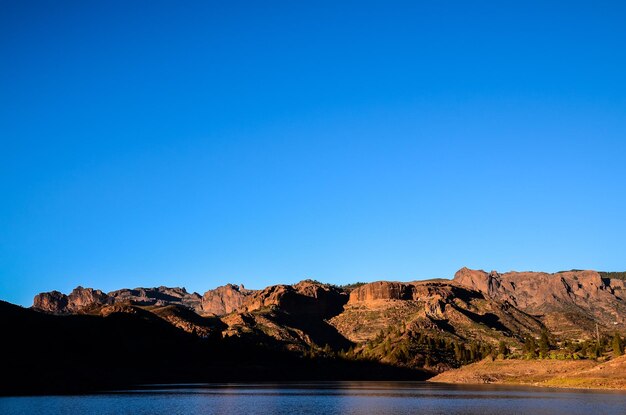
(537, 385)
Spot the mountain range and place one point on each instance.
(309, 330)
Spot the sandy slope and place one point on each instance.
(552, 373)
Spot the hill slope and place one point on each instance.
(550, 373)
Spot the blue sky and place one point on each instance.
(195, 144)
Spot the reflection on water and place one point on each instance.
(325, 398)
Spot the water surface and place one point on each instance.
(325, 398)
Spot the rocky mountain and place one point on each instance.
(435, 324)
(437, 308)
(569, 303)
(420, 326)
(307, 298)
(224, 300)
(291, 316)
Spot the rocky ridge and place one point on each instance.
(437, 324)
(432, 307)
(569, 303)
(79, 298)
(84, 298)
(225, 299)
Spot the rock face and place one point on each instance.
(293, 317)
(81, 298)
(431, 307)
(158, 296)
(51, 302)
(225, 299)
(566, 301)
(382, 290)
(84, 297)
(304, 298)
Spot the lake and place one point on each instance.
(325, 398)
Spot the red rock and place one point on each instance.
(224, 300)
(305, 297)
(567, 301)
(382, 290)
(51, 302)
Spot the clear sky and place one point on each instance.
(195, 144)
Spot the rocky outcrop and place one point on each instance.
(51, 302)
(435, 307)
(304, 298)
(433, 295)
(159, 296)
(225, 299)
(83, 298)
(79, 298)
(382, 290)
(476, 279)
(566, 301)
(291, 317)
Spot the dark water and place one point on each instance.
(325, 398)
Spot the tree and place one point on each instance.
(387, 346)
(503, 349)
(618, 347)
(458, 351)
(597, 350)
(401, 353)
(327, 350)
(530, 347)
(473, 351)
(485, 350)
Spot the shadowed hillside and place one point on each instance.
(128, 345)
